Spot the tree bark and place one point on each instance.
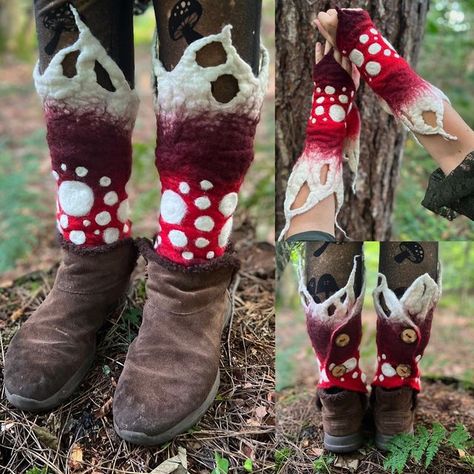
(367, 214)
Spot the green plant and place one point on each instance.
(281, 456)
(248, 465)
(37, 470)
(222, 464)
(322, 464)
(425, 443)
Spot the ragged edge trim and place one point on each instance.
(345, 310)
(95, 250)
(351, 154)
(228, 260)
(414, 300)
(186, 89)
(308, 170)
(83, 91)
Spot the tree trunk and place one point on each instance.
(366, 215)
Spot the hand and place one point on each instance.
(343, 61)
(326, 23)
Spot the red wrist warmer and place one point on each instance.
(389, 75)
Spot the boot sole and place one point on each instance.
(30, 404)
(343, 444)
(382, 440)
(184, 425)
(137, 437)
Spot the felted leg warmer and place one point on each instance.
(403, 92)
(335, 329)
(403, 330)
(204, 149)
(89, 137)
(332, 132)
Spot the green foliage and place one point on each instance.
(425, 443)
(222, 464)
(323, 463)
(281, 456)
(248, 465)
(37, 470)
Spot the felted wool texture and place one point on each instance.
(402, 91)
(335, 329)
(89, 137)
(204, 149)
(403, 330)
(332, 132)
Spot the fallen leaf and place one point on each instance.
(260, 412)
(75, 457)
(46, 437)
(7, 426)
(104, 410)
(347, 462)
(175, 465)
(316, 451)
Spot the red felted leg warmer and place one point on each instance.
(335, 329)
(89, 137)
(332, 132)
(405, 93)
(204, 148)
(403, 330)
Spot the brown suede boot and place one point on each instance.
(394, 413)
(54, 348)
(342, 413)
(171, 374)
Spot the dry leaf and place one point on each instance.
(462, 453)
(75, 457)
(260, 412)
(175, 465)
(347, 462)
(316, 451)
(46, 437)
(104, 410)
(7, 426)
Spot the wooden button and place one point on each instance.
(403, 370)
(409, 336)
(342, 340)
(338, 371)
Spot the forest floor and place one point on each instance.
(78, 436)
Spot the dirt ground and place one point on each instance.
(78, 437)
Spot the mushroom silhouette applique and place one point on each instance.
(411, 251)
(327, 285)
(59, 20)
(184, 16)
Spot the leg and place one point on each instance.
(405, 299)
(83, 77)
(205, 145)
(334, 280)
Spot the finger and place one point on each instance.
(323, 31)
(347, 65)
(327, 48)
(337, 56)
(329, 22)
(318, 52)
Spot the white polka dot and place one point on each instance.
(96, 232)
(184, 187)
(373, 31)
(363, 38)
(123, 211)
(388, 370)
(86, 223)
(81, 171)
(329, 90)
(228, 204)
(111, 235)
(103, 218)
(126, 228)
(376, 38)
(355, 374)
(204, 223)
(319, 110)
(206, 185)
(374, 48)
(337, 113)
(343, 99)
(202, 202)
(187, 255)
(373, 68)
(342, 379)
(381, 377)
(64, 221)
(111, 198)
(397, 55)
(356, 57)
(325, 119)
(77, 237)
(318, 89)
(344, 89)
(105, 181)
(63, 167)
(178, 238)
(201, 242)
(173, 208)
(313, 120)
(384, 357)
(225, 233)
(387, 52)
(210, 255)
(75, 198)
(320, 100)
(352, 93)
(55, 175)
(332, 99)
